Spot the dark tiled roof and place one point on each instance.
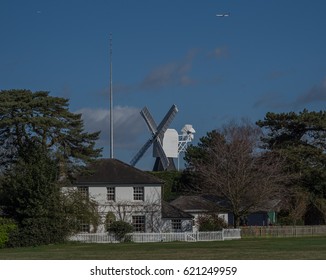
(215, 203)
(193, 203)
(171, 212)
(113, 171)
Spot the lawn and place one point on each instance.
(243, 249)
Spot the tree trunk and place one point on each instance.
(236, 221)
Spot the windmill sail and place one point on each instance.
(157, 136)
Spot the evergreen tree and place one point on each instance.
(27, 116)
(31, 195)
(300, 138)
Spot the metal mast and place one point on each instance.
(111, 101)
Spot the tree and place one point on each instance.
(120, 229)
(7, 226)
(27, 116)
(77, 210)
(300, 138)
(31, 196)
(229, 165)
(124, 210)
(211, 223)
(172, 180)
(294, 207)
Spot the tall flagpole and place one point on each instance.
(111, 101)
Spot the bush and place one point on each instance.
(120, 229)
(7, 226)
(211, 223)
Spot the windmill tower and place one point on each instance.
(185, 138)
(161, 137)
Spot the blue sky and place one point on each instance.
(266, 56)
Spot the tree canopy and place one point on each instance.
(27, 116)
(230, 166)
(42, 144)
(31, 195)
(301, 139)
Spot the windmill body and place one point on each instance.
(167, 144)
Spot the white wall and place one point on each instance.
(186, 225)
(123, 193)
(124, 206)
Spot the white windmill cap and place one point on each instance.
(188, 129)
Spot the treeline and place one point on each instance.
(42, 145)
(248, 165)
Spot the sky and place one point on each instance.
(266, 56)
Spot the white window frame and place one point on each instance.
(139, 193)
(84, 191)
(176, 225)
(84, 227)
(110, 192)
(139, 223)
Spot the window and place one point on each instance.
(139, 193)
(176, 225)
(110, 193)
(138, 223)
(83, 191)
(84, 227)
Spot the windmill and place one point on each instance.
(161, 136)
(185, 138)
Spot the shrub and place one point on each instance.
(120, 229)
(7, 226)
(109, 219)
(211, 223)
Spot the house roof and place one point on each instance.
(171, 212)
(193, 203)
(113, 171)
(204, 202)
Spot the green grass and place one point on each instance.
(247, 249)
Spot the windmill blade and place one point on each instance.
(141, 152)
(164, 124)
(157, 135)
(159, 149)
(149, 120)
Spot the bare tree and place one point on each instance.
(231, 166)
(153, 210)
(150, 208)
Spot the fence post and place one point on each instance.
(222, 234)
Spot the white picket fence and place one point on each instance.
(225, 234)
(283, 231)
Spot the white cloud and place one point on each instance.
(127, 123)
(175, 73)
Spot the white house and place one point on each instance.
(197, 206)
(126, 193)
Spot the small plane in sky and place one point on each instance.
(223, 15)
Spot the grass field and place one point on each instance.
(244, 249)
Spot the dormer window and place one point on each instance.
(139, 193)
